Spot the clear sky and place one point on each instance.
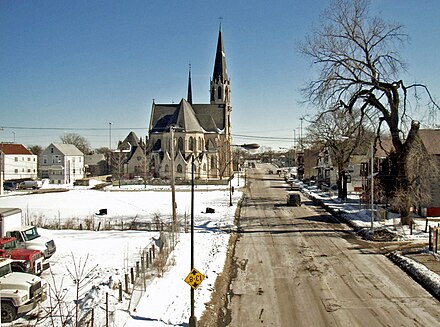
(76, 66)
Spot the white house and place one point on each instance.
(17, 162)
(62, 163)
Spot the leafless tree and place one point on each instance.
(358, 67)
(343, 135)
(77, 140)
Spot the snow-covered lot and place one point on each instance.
(108, 255)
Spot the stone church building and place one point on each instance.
(186, 130)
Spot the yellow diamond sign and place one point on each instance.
(194, 278)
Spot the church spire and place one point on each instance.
(189, 96)
(220, 74)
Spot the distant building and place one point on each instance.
(62, 163)
(199, 131)
(95, 165)
(129, 159)
(17, 162)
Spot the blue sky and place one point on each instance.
(78, 65)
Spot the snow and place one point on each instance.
(105, 256)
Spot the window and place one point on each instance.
(29, 170)
(16, 158)
(180, 144)
(51, 150)
(44, 159)
(191, 144)
(79, 159)
(74, 170)
(219, 92)
(16, 171)
(179, 168)
(29, 159)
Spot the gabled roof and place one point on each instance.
(14, 148)
(192, 118)
(185, 118)
(67, 149)
(431, 140)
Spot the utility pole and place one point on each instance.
(372, 189)
(173, 187)
(192, 318)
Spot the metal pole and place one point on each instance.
(173, 187)
(192, 318)
(372, 190)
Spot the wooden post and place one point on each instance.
(430, 237)
(120, 292)
(147, 261)
(154, 252)
(106, 309)
(137, 268)
(126, 284)
(151, 256)
(93, 317)
(132, 275)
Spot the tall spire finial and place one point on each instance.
(189, 96)
(220, 19)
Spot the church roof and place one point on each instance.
(190, 118)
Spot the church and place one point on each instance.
(187, 131)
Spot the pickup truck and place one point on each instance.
(19, 292)
(27, 237)
(23, 260)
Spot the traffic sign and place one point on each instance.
(194, 278)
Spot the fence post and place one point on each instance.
(120, 292)
(126, 284)
(132, 275)
(147, 261)
(154, 251)
(430, 239)
(143, 271)
(106, 309)
(137, 268)
(436, 240)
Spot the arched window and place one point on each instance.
(157, 145)
(219, 92)
(204, 167)
(213, 163)
(200, 144)
(191, 144)
(167, 169)
(180, 144)
(179, 168)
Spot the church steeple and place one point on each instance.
(220, 73)
(220, 85)
(189, 96)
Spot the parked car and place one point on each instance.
(9, 186)
(293, 199)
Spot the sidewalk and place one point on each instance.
(421, 264)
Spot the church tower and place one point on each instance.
(220, 84)
(220, 95)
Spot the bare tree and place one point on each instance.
(77, 140)
(343, 135)
(358, 67)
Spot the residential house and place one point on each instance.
(129, 159)
(95, 164)
(17, 162)
(62, 163)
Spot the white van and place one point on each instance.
(30, 185)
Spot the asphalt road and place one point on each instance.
(298, 266)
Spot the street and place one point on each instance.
(298, 266)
